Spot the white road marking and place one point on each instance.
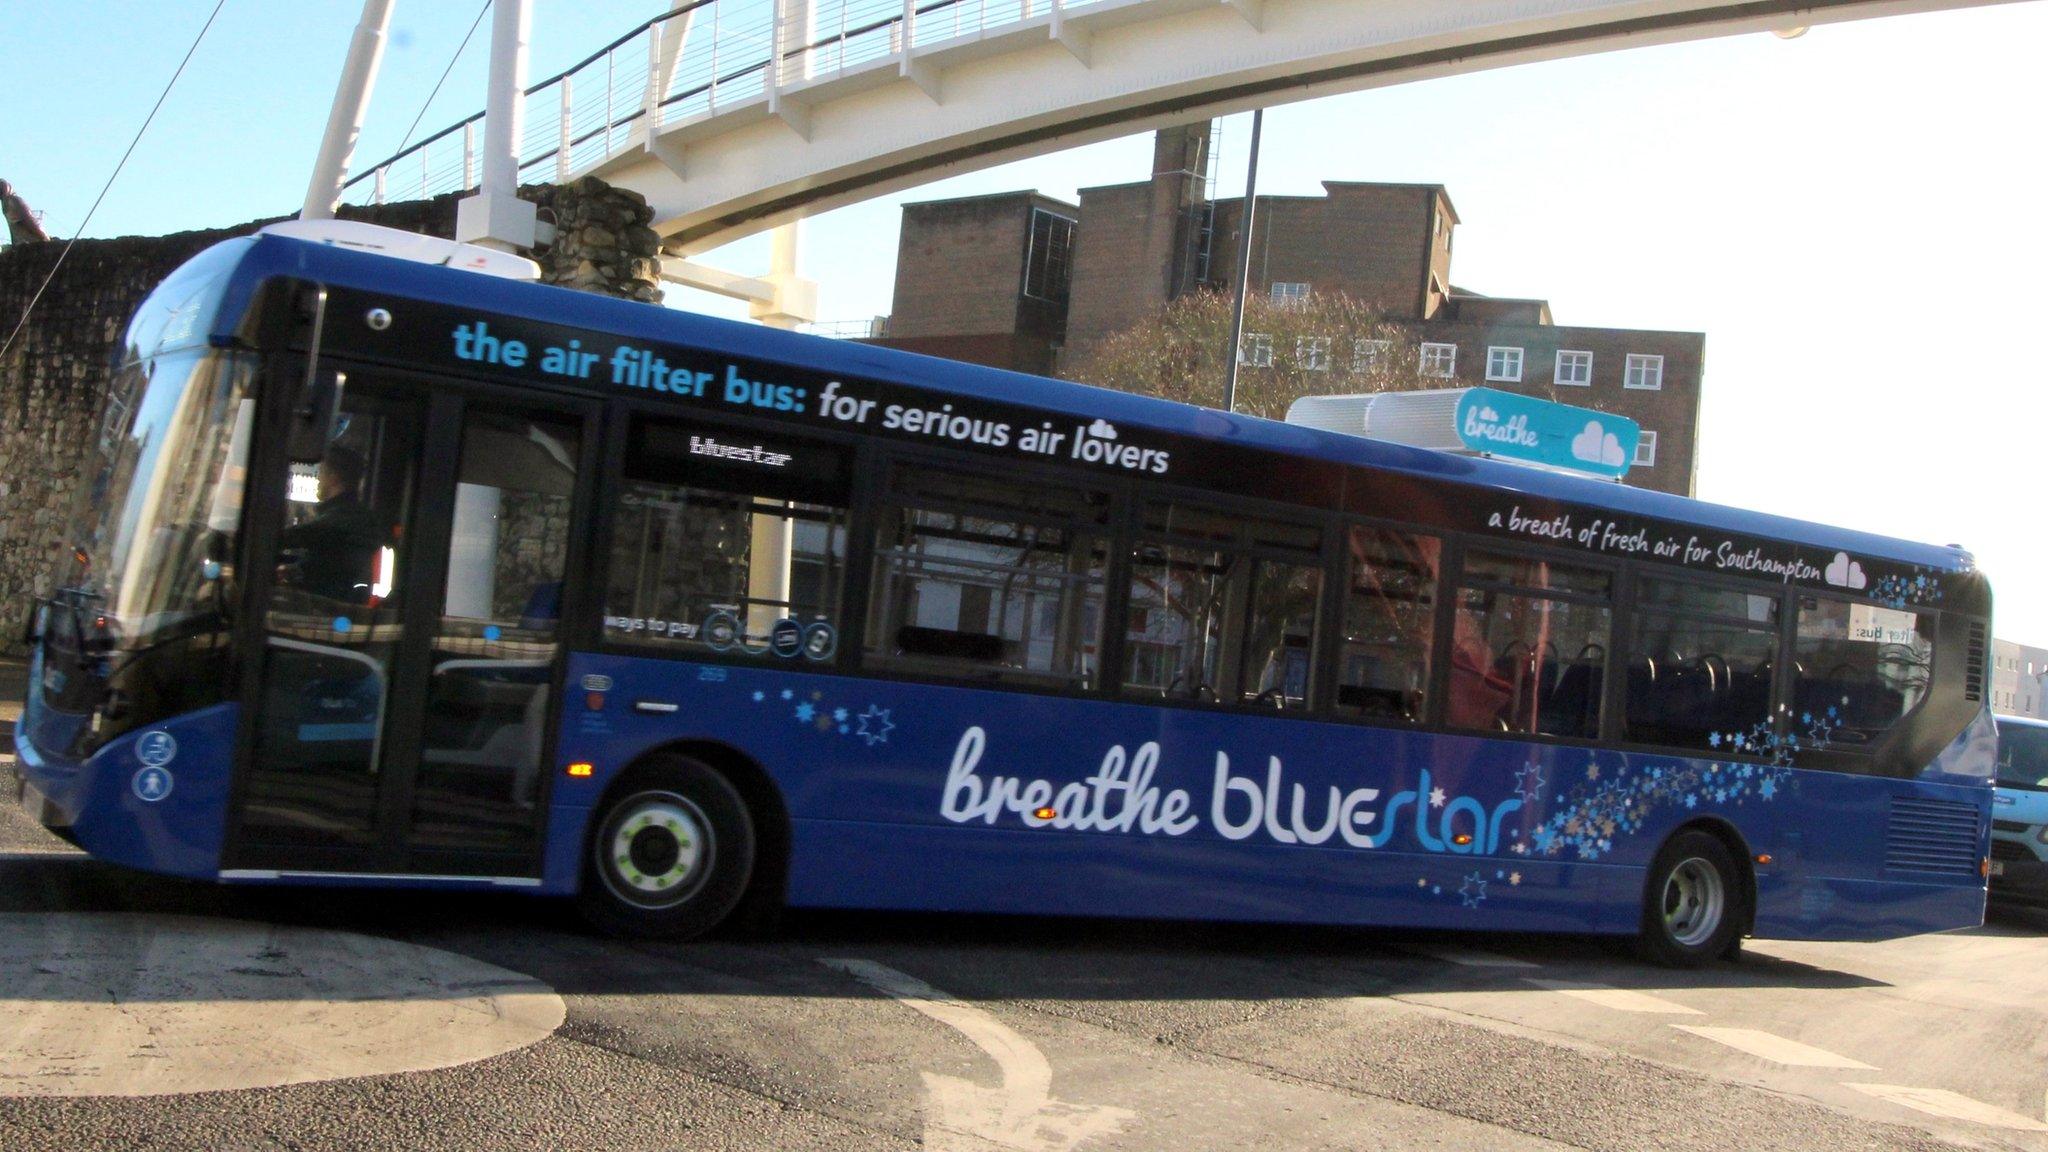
(1776, 1049)
(120, 1005)
(1619, 999)
(963, 1115)
(1951, 1105)
(1473, 958)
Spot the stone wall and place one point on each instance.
(53, 380)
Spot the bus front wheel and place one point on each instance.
(671, 854)
(1692, 904)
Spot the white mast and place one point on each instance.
(345, 119)
(496, 217)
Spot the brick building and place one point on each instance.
(1024, 281)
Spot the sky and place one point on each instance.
(1853, 217)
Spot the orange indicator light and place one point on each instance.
(1763, 858)
(1462, 838)
(1046, 813)
(580, 769)
(594, 701)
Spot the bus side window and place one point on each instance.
(1222, 608)
(1389, 622)
(1858, 669)
(986, 578)
(1698, 673)
(1529, 649)
(725, 543)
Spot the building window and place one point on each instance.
(1048, 261)
(1369, 355)
(1312, 353)
(1503, 363)
(1646, 372)
(1575, 368)
(1289, 293)
(1439, 359)
(1646, 450)
(1257, 350)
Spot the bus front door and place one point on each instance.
(411, 636)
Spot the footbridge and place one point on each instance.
(734, 116)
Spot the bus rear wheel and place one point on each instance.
(1692, 903)
(671, 854)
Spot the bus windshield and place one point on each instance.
(155, 555)
(2022, 757)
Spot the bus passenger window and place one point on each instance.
(1280, 627)
(726, 543)
(1857, 669)
(984, 577)
(1389, 621)
(1529, 646)
(1222, 608)
(1698, 673)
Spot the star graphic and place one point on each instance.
(1422, 881)
(804, 712)
(1515, 878)
(787, 694)
(1473, 890)
(1529, 782)
(760, 696)
(1436, 797)
(875, 725)
(840, 715)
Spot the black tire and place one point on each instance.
(1693, 903)
(670, 854)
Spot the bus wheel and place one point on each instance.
(1692, 904)
(672, 853)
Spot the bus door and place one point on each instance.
(411, 636)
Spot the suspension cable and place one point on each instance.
(146, 122)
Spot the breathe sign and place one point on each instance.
(1543, 432)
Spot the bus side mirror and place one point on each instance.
(313, 417)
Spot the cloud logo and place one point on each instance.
(1489, 415)
(1846, 573)
(1102, 430)
(1597, 446)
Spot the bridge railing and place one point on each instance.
(692, 62)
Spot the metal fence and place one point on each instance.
(690, 63)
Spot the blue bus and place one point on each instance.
(396, 574)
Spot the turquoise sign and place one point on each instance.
(1543, 432)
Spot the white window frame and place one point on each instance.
(1558, 373)
(1257, 351)
(1501, 353)
(1367, 354)
(1290, 293)
(1445, 354)
(1647, 369)
(1312, 353)
(1646, 450)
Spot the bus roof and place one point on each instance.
(265, 257)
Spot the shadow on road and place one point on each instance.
(980, 957)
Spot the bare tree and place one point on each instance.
(1323, 344)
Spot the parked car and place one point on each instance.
(2019, 815)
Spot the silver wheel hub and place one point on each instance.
(659, 849)
(1695, 899)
